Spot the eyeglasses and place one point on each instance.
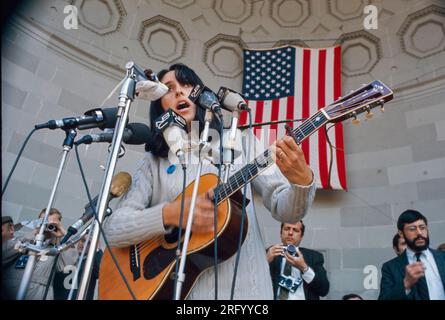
(421, 227)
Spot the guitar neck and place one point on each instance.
(263, 161)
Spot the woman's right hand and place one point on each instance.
(203, 221)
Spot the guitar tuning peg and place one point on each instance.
(382, 105)
(369, 115)
(355, 120)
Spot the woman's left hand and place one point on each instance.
(290, 160)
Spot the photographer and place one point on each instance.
(297, 273)
(13, 273)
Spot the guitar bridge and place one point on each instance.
(135, 262)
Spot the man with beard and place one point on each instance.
(419, 272)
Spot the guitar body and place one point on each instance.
(148, 266)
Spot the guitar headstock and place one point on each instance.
(374, 94)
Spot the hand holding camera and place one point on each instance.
(54, 228)
(294, 256)
(273, 251)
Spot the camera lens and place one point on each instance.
(291, 249)
(51, 228)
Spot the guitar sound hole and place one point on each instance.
(172, 237)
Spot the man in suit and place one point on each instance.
(419, 272)
(300, 276)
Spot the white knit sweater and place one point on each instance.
(139, 217)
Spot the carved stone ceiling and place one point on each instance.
(210, 34)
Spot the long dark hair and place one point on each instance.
(409, 216)
(185, 76)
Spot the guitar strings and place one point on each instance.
(305, 129)
(143, 245)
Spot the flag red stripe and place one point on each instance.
(340, 153)
(290, 110)
(306, 95)
(258, 117)
(322, 153)
(274, 117)
(243, 116)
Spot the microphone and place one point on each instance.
(148, 87)
(102, 118)
(150, 90)
(206, 98)
(134, 133)
(174, 129)
(234, 102)
(231, 100)
(119, 185)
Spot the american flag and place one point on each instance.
(289, 83)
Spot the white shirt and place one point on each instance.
(308, 276)
(432, 276)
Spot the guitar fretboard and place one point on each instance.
(263, 161)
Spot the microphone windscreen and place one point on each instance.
(110, 118)
(141, 133)
(120, 184)
(231, 100)
(175, 137)
(207, 99)
(150, 90)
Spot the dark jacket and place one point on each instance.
(319, 286)
(393, 273)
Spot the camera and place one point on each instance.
(291, 249)
(51, 228)
(289, 283)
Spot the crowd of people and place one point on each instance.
(52, 275)
(296, 273)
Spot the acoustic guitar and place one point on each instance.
(148, 266)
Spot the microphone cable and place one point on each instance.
(215, 206)
(243, 212)
(100, 225)
(17, 159)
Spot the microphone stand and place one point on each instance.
(203, 144)
(126, 96)
(40, 238)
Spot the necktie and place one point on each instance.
(422, 287)
(287, 272)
